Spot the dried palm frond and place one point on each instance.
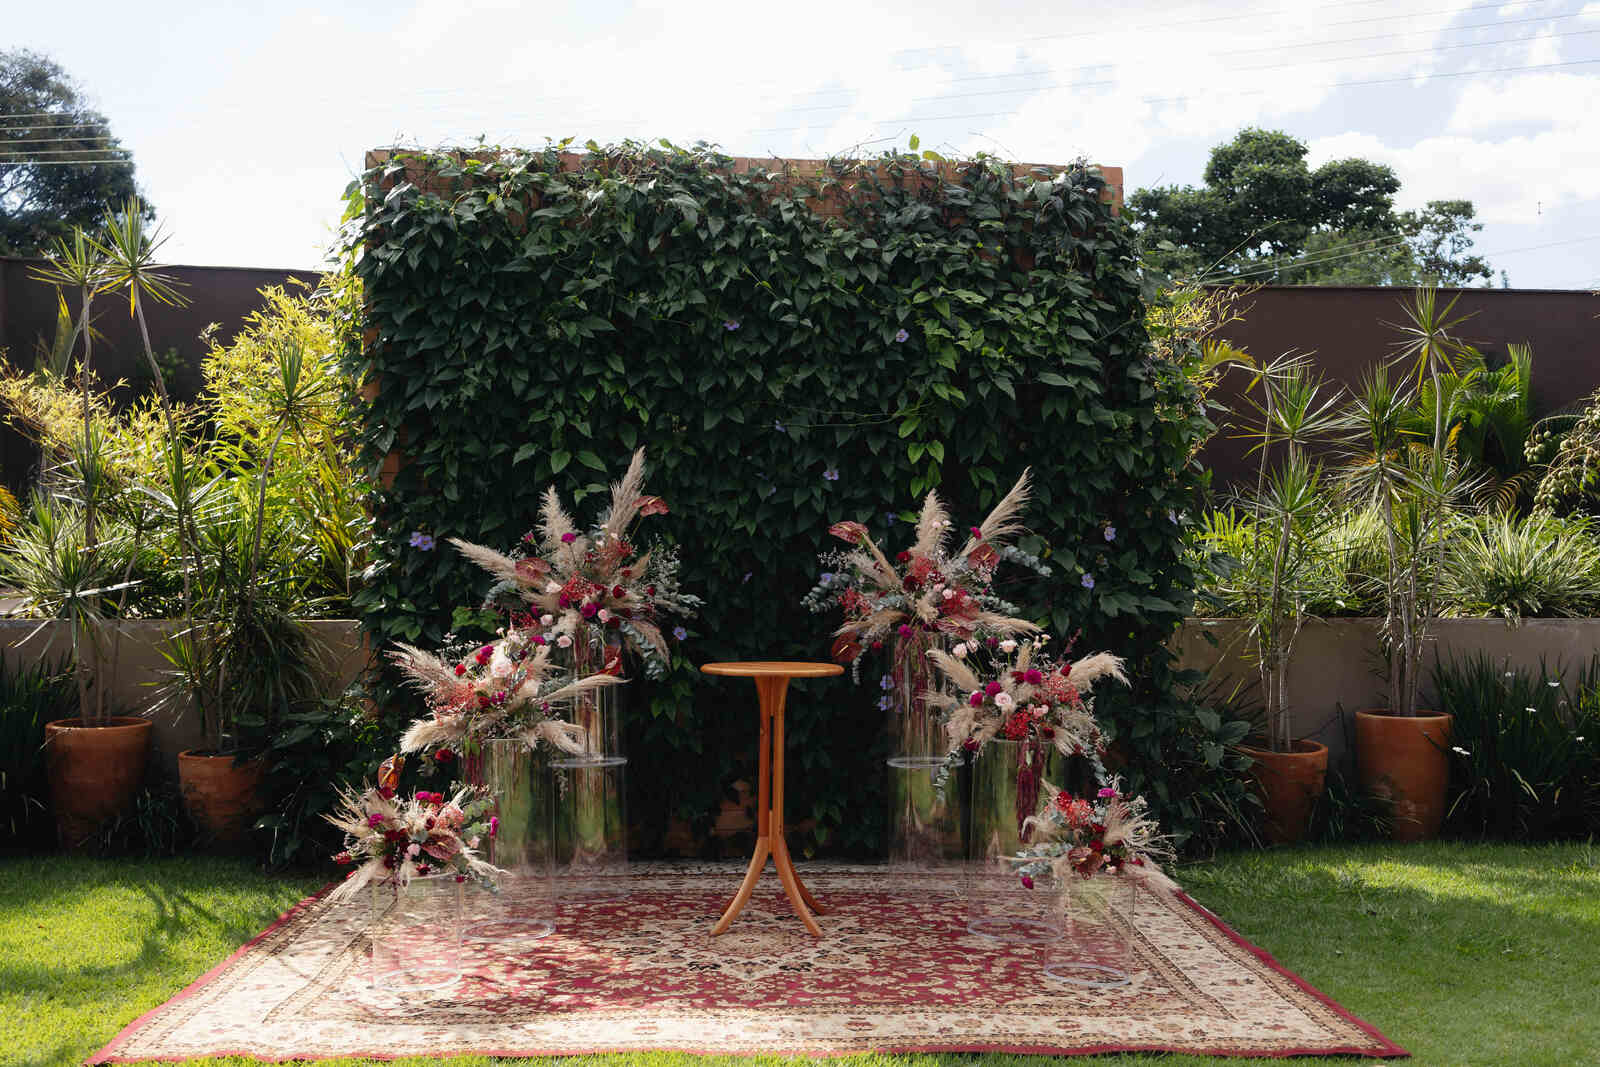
(423, 670)
(555, 523)
(1090, 669)
(430, 733)
(1004, 624)
(564, 736)
(582, 685)
(1004, 520)
(933, 526)
(625, 497)
(955, 670)
(497, 564)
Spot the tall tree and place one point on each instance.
(60, 166)
(1264, 214)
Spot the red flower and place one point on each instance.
(846, 649)
(850, 532)
(444, 755)
(1016, 727)
(617, 592)
(652, 505)
(461, 668)
(901, 557)
(984, 557)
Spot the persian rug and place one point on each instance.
(896, 970)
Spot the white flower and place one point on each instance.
(960, 650)
(603, 615)
(500, 667)
(565, 641)
(552, 587)
(949, 594)
(1004, 702)
(473, 843)
(1008, 646)
(547, 621)
(413, 848)
(1458, 750)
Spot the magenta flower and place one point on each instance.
(1027, 882)
(375, 819)
(1106, 793)
(568, 537)
(976, 699)
(992, 688)
(494, 825)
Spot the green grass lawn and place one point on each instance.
(1464, 954)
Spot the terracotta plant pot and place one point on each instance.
(94, 772)
(222, 797)
(1289, 784)
(1406, 762)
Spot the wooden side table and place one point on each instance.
(772, 685)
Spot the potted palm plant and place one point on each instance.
(1275, 578)
(244, 661)
(1402, 752)
(96, 760)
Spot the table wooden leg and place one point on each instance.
(751, 877)
(797, 893)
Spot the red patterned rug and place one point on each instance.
(897, 970)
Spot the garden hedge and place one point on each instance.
(794, 346)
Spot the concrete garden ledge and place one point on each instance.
(1336, 661)
(131, 666)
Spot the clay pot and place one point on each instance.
(223, 797)
(94, 772)
(1289, 784)
(1406, 762)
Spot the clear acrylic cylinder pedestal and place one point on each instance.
(925, 810)
(523, 847)
(1004, 789)
(415, 934)
(1093, 946)
(590, 830)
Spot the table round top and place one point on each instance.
(774, 669)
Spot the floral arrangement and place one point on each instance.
(928, 589)
(1112, 834)
(509, 688)
(390, 840)
(592, 593)
(1021, 694)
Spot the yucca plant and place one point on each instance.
(1288, 516)
(1536, 567)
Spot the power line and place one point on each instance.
(61, 162)
(1194, 96)
(1272, 66)
(1318, 259)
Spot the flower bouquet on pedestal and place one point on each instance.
(391, 840)
(593, 595)
(414, 856)
(1097, 854)
(1013, 712)
(926, 599)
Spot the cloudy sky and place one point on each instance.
(247, 120)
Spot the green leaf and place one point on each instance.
(559, 460)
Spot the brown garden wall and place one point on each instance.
(130, 685)
(1348, 329)
(1335, 660)
(221, 295)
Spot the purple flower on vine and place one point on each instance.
(730, 325)
(886, 682)
(1087, 581)
(679, 633)
(831, 474)
(421, 540)
(901, 336)
(1111, 533)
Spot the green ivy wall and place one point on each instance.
(794, 346)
